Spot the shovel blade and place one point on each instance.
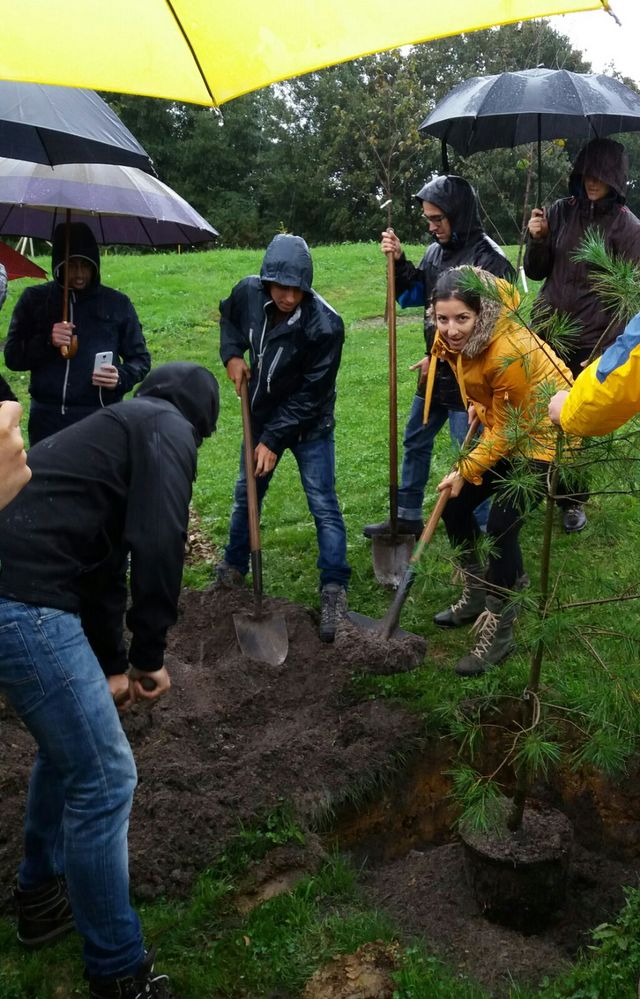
(377, 627)
(391, 554)
(262, 637)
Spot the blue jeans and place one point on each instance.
(316, 464)
(419, 439)
(82, 783)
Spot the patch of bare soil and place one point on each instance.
(366, 974)
(234, 738)
(427, 894)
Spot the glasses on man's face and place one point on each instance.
(436, 219)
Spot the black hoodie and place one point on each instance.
(104, 319)
(469, 244)
(568, 286)
(119, 481)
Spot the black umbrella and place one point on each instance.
(53, 125)
(509, 109)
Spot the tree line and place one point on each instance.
(319, 154)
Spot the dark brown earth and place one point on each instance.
(236, 738)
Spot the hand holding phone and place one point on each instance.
(102, 357)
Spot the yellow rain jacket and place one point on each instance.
(501, 370)
(607, 393)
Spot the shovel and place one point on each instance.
(391, 551)
(261, 634)
(388, 625)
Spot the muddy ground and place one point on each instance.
(236, 738)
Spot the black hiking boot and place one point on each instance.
(44, 913)
(333, 606)
(404, 527)
(228, 577)
(143, 985)
(494, 630)
(471, 603)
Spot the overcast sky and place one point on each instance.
(603, 41)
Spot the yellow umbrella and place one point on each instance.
(208, 51)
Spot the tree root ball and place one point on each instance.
(519, 879)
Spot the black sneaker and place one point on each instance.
(574, 518)
(384, 527)
(228, 577)
(44, 913)
(333, 606)
(143, 985)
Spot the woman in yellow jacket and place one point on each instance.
(607, 393)
(501, 368)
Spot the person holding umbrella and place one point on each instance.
(450, 206)
(502, 370)
(65, 387)
(597, 190)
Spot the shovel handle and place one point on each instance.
(393, 393)
(252, 493)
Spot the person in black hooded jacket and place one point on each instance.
(294, 341)
(64, 390)
(450, 206)
(114, 483)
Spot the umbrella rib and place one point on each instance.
(192, 50)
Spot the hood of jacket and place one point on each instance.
(191, 388)
(508, 298)
(605, 159)
(456, 198)
(82, 243)
(287, 261)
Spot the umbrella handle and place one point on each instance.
(72, 349)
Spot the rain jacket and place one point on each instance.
(104, 319)
(469, 244)
(607, 393)
(117, 482)
(294, 361)
(501, 369)
(567, 287)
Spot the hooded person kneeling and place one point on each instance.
(114, 485)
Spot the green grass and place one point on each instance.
(209, 949)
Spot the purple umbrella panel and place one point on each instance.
(120, 204)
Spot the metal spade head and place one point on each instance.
(263, 636)
(391, 554)
(382, 627)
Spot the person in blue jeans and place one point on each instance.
(115, 484)
(450, 206)
(294, 340)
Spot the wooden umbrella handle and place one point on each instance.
(72, 349)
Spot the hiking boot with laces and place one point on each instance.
(471, 602)
(574, 518)
(145, 984)
(44, 913)
(494, 630)
(333, 606)
(403, 525)
(228, 577)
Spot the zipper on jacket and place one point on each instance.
(259, 359)
(272, 368)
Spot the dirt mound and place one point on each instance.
(234, 738)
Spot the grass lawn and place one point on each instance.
(591, 665)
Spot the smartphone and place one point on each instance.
(102, 357)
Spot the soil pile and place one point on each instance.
(234, 738)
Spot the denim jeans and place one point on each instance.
(82, 783)
(418, 444)
(316, 464)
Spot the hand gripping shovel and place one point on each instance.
(391, 551)
(386, 627)
(262, 635)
